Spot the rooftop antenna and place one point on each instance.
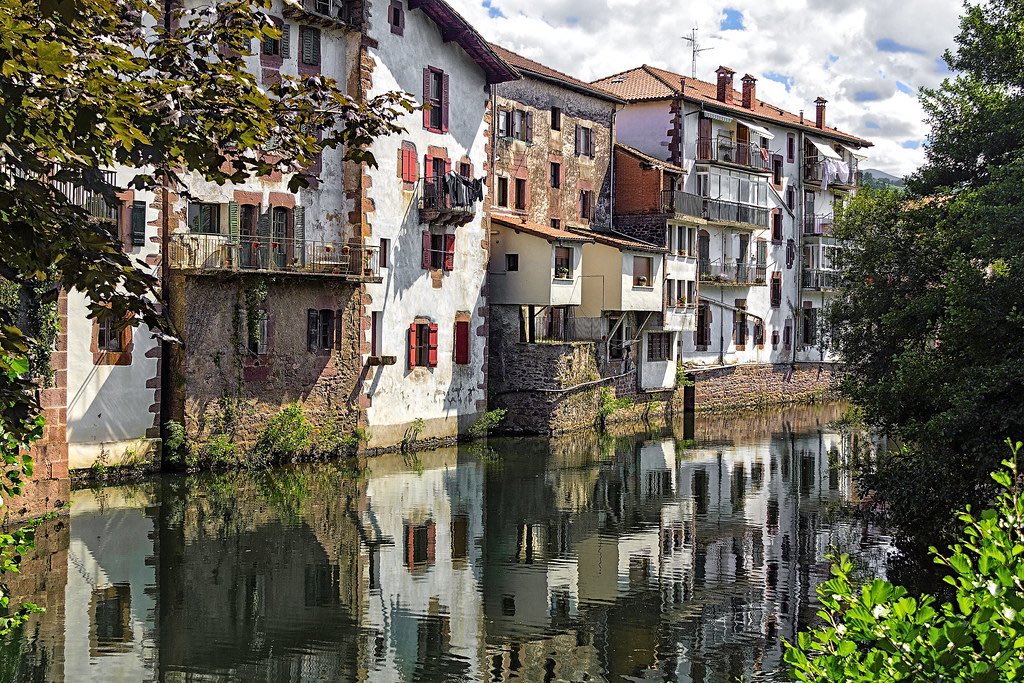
(695, 48)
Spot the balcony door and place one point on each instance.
(742, 145)
(741, 257)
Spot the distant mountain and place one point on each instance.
(880, 177)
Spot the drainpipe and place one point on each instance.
(799, 242)
(611, 170)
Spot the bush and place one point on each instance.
(883, 634)
(218, 453)
(176, 444)
(332, 440)
(611, 405)
(287, 436)
(487, 422)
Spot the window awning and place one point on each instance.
(717, 117)
(825, 150)
(760, 130)
(857, 154)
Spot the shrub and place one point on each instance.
(287, 436)
(611, 405)
(218, 453)
(487, 422)
(883, 634)
(331, 439)
(176, 444)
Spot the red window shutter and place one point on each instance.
(428, 166)
(426, 250)
(426, 97)
(412, 345)
(432, 347)
(444, 103)
(462, 342)
(529, 126)
(447, 166)
(449, 252)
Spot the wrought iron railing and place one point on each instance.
(200, 252)
(813, 171)
(820, 279)
(732, 272)
(723, 149)
(685, 203)
(714, 209)
(820, 224)
(446, 199)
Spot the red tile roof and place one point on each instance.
(538, 230)
(529, 67)
(620, 241)
(648, 83)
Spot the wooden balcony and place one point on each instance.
(202, 253)
(447, 200)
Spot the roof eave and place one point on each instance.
(593, 92)
(455, 28)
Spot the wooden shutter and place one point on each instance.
(412, 345)
(704, 139)
(426, 250)
(314, 40)
(306, 40)
(138, 224)
(503, 123)
(444, 103)
(432, 346)
(591, 144)
(529, 126)
(762, 253)
(263, 224)
(790, 253)
(579, 139)
(299, 231)
(312, 329)
(449, 252)
(426, 97)
(286, 41)
(233, 222)
(462, 342)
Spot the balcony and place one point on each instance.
(820, 225)
(709, 209)
(200, 253)
(92, 202)
(735, 273)
(822, 280)
(329, 14)
(813, 172)
(683, 203)
(724, 150)
(447, 200)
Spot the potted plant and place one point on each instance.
(681, 302)
(562, 273)
(641, 281)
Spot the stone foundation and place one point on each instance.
(759, 386)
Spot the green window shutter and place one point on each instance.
(233, 222)
(315, 47)
(286, 41)
(762, 254)
(263, 224)
(299, 228)
(138, 224)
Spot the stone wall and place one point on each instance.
(757, 386)
(215, 382)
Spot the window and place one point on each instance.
(256, 334)
(423, 345)
(556, 223)
(272, 47)
(776, 290)
(791, 197)
(618, 342)
(438, 251)
(556, 118)
(659, 346)
(138, 224)
(385, 249)
(563, 263)
(204, 218)
(419, 548)
(396, 17)
(681, 239)
(408, 164)
(503, 192)
(462, 342)
(376, 326)
(810, 318)
(791, 147)
(586, 205)
(521, 194)
(740, 324)
(777, 169)
(775, 338)
(280, 222)
(758, 334)
(320, 330)
(108, 337)
(584, 141)
(504, 123)
(556, 175)
(787, 334)
(310, 39)
(435, 94)
(511, 263)
(465, 169)
(702, 335)
(643, 266)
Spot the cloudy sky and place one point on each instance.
(867, 57)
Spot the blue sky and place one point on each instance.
(868, 58)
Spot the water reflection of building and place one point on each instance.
(422, 533)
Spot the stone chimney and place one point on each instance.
(749, 92)
(819, 120)
(725, 75)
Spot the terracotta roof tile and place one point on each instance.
(529, 67)
(647, 83)
(538, 230)
(620, 241)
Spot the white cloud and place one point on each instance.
(827, 47)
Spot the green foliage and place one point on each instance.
(881, 633)
(331, 439)
(930, 316)
(287, 436)
(219, 452)
(487, 423)
(176, 444)
(610, 404)
(682, 379)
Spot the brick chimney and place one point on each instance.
(725, 75)
(749, 91)
(819, 120)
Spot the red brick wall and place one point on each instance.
(637, 190)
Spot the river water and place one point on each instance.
(685, 554)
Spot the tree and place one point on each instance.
(929, 315)
(83, 88)
(881, 633)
